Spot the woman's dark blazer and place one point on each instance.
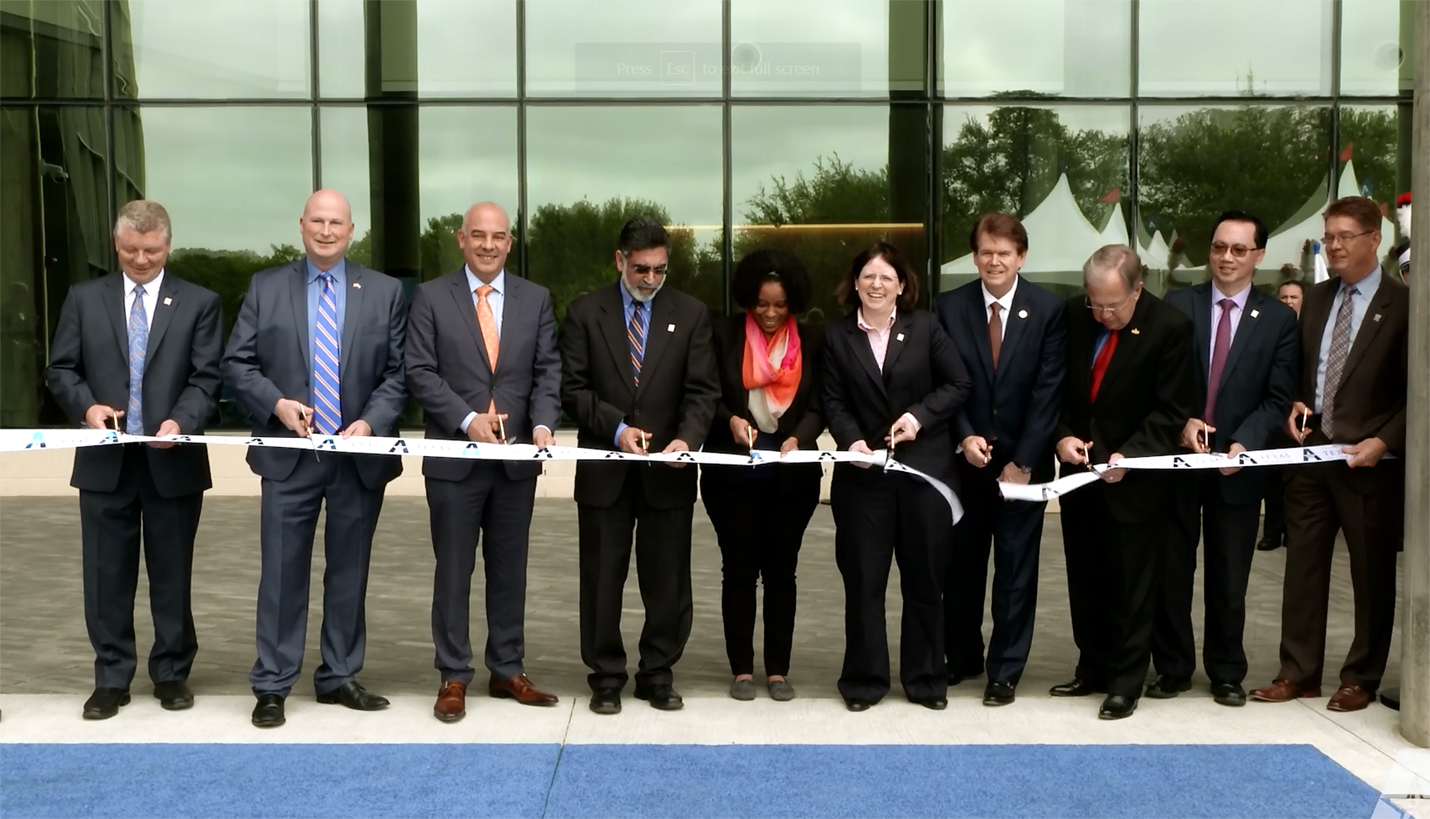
(923, 375)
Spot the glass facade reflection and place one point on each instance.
(816, 126)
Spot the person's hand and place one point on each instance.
(97, 416)
(634, 441)
(1366, 453)
(1197, 435)
(293, 415)
(1073, 450)
(1114, 475)
(1299, 413)
(169, 427)
(790, 445)
(484, 426)
(743, 433)
(977, 451)
(543, 438)
(1012, 474)
(904, 429)
(1234, 450)
(359, 428)
(863, 449)
(677, 446)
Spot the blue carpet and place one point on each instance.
(677, 780)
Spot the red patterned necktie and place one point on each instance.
(1099, 366)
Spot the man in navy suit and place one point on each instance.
(1244, 373)
(1013, 339)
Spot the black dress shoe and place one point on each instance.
(268, 713)
(1229, 694)
(931, 703)
(661, 697)
(104, 702)
(1117, 706)
(174, 695)
(1077, 687)
(1269, 544)
(956, 677)
(998, 692)
(606, 701)
(354, 696)
(857, 704)
(1166, 686)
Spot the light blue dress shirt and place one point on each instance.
(1365, 291)
(628, 311)
(339, 272)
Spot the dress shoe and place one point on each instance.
(606, 701)
(451, 701)
(1283, 690)
(998, 692)
(1350, 698)
(781, 690)
(268, 713)
(1077, 687)
(857, 704)
(174, 695)
(354, 696)
(661, 697)
(956, 677)
(1117, 706)
(1166, 687)
(931, 703)
(1227, 693)
(519, 688)
(104, 702)
(742, 690)
(1269, 544)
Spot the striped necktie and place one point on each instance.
(1336, 359)
(635, 335)
(326, 403)
(138, 348)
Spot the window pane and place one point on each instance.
(1270, 161)
(51, 49)
(1374, 161)
(1062, 171)
(622, 48)
(815, 180)
(591, 169)
(1072, 48)
(257, 49)
(826, 48)
(1377, 47)
(1235, 48)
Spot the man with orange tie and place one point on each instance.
(482, 359)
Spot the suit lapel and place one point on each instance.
(1129, 338)
(510, 310)
(1014, 326)
(1245, 329)
(1202, 323)
(352, 315)
(467, 308)
(897, 336)
(1369, 326)
(298, 301)
(662, 310)
(114, 305)
(859, 341)
(1314, 315)
(978, 317)
(613, 327)
(165, 303)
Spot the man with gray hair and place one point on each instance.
(1128, 394)
(138, 351)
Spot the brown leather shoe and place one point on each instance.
(451, 701)
(1283, 690)
(519, 688)
(1350, 698)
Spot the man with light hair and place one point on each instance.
(1128, 393)
(137, 351)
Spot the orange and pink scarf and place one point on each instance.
(778, 382)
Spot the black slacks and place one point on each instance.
(760, 517)
(111, 525)
(1113, 576)
(499, 508)
(1274, 527)
(1013, 531)
(898, 517)
(1228, 534)
(662, 546)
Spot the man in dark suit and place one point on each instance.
(138, 351)
(1128, 394)
(1013, 339)
(482, 359)
(1243, 374)
(1352, 392)
(638, 375)
(317, 350)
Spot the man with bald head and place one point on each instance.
(482, 359)
(317, 352)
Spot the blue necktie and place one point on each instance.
(138, 346)
(326, 403)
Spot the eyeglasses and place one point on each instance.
(1107, 311)
(1342, 238)
(647, 270)
(1237, 251)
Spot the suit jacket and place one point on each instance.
(1017, 404)
(922, 375)
(1257, 382)
(89, 364)
(1371, 399)
(1142, 405)
(268, 359)
(676, 397)
(449, 372)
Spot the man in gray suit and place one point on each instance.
(317, 350)
(482, 359)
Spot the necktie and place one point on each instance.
(487, 321)
(995, 332)
(326, 403)
(1336, 358)
(1220, 347)
(138, 347)
(636, 337)
(1099, 365)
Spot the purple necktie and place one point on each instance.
(1220, 347)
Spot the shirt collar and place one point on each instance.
(1006, 302)
(1365, 288)
(870, 329)
(1239, 298)
(339, 272)
(498, 284)
(150, 287)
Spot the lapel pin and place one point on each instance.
(357, 285)
(899, 337)
(168, 301)
(1022, 314)
(1377, 317)
(1135, 331)
(670, 328)
(1255, 313)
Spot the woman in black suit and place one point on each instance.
(892, 378)
(770, 368)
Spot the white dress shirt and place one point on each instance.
(1005, 306)
(151, 297)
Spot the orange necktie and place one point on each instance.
(487, 321)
